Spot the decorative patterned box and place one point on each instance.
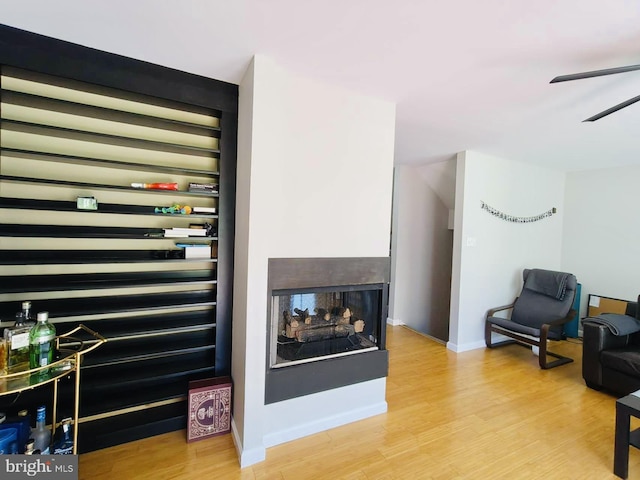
(209, 408)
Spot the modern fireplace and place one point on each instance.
(326, 324)
(310, 324)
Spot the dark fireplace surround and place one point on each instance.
(359, 274)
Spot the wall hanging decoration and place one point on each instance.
(512, 218)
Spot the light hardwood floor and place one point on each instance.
(483, 414)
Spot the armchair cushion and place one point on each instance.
(626, 361)
(518, 327)
(534, 309)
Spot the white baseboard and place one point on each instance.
(392, 322)
(246, 457)
(465, 347)
(316, 426)
(430, 337)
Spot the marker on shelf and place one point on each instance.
(156, 186)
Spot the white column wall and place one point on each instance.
(601, 231)
(490, 253)
(246, 352)
(315, 177)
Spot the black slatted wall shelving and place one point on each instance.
(77, 122)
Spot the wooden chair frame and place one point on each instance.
(523, 339)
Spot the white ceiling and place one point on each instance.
(465, 74)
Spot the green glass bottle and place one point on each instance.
(42, 338)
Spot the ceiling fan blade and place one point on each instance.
(609, 111)
(595, 73)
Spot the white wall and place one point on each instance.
(489, 273)
(421, 255)
(601, 232)
(315, 169)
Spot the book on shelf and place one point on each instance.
(195, 250)
(203, 187)
(203, 209)
(185, 232)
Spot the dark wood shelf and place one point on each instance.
(91, 281)
(167, 318)
(113, 208)
(116, 164)
(94, 405)
(99, 186)
(103, 113)
(166, 379)
(132, 360)
(89, 232)
(164, 323)
(70, 257)
(101, 80)
(125, 304)
(106, 432)
(104, 138)
(150, 346)
(151, 372)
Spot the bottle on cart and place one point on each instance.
(17, 338)
(42, 340)
(64, 443)
(27, 315)
(3, 357)
(28, 448)
(24, 420)
(41, 434)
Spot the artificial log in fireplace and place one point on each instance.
(326, 324)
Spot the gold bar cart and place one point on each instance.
(70, 351)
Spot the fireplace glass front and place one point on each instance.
(318, 323)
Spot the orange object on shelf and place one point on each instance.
(156, 186)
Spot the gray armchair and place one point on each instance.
(544, 305)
